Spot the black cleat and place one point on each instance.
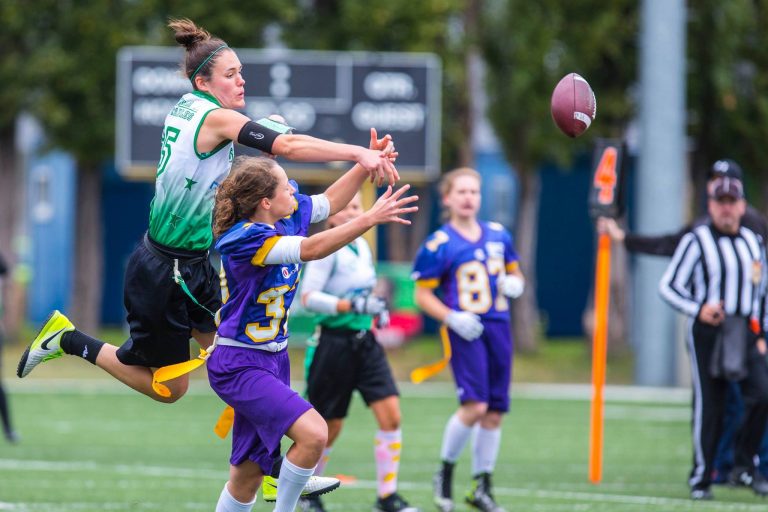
(743, 477)
(442, 487)
(701, 494)
(312, 504)
(480, 496)
(393, 503)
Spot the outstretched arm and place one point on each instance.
(225, 124)
(430, 304)
(388, 208)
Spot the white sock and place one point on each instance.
(455, 439)
(485, 449)
(291, 482)
(320, 468)
(386, 450)
(227, 503)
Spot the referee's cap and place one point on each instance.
(726, 168)
(727, 187)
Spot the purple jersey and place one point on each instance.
(465, 272)
(255, 296)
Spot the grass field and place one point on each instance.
(89, 444)
(93, 446)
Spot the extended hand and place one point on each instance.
(390, 206)
(378, 160)
(465, 324)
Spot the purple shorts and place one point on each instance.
(482, 368)
(256, 383)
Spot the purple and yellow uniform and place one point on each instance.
(464, 275)
(249, 369)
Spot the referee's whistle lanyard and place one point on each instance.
(174, 371)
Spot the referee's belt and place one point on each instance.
(169, 255)
(272, 346)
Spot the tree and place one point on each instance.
(528, 47)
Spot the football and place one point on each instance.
(573, 105)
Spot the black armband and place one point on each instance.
(261, 134)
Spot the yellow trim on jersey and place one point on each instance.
(512, 266)
(423, 373)
(428, 283)
(261, 254)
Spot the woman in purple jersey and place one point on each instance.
(474, 267)
(261, 224)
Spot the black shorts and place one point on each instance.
(343, 362)
(160, 315)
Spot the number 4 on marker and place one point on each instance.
(605, 176)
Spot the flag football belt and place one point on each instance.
(423, 373)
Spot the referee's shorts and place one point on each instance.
(345, 361)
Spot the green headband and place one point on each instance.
(214, 52)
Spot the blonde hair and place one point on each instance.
(237, 198)
(446, 182)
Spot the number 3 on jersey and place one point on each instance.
(169, 135)
(274, 307)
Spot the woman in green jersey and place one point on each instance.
(171, 289)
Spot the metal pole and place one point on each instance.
(660, 180)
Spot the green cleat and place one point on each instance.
(315, 486)
(47, 345)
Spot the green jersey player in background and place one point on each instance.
(348, 357)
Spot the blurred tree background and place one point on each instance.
(59, 64)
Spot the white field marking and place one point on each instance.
(108, 505)
(138, 469)
(425, 390)
(661, 503)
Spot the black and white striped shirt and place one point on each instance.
(709, 267)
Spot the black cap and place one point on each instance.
(731, 187)
(726, 168)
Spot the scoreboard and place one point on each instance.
(336, 96)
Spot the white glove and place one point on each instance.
(368, 305)
(511, 286)
(465, 324)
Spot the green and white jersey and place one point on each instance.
(180, 215)
(343, 274)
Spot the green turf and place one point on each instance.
(106, 449)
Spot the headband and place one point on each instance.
(214, 52)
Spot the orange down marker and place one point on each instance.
(599, 353)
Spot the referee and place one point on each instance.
(717, 277)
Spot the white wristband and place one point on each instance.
(321, 302)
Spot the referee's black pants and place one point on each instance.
(709, 403)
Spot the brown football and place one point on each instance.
(573, 105)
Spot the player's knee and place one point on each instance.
(391, 422)
(472, 412)
(314, 434)
(178, 389)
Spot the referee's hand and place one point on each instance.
(712, 314)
